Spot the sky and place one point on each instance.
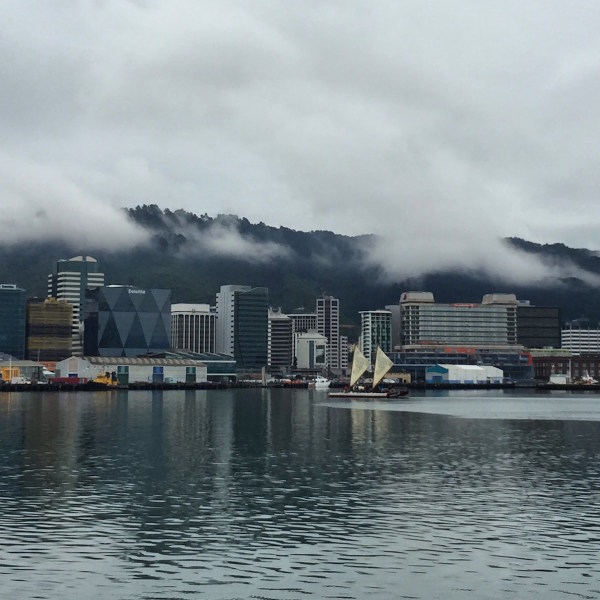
(442, 126)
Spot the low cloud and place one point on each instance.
(39, 203)
(222, 237)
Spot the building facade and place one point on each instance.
(127, 321)
(242, 325)
(328, 325)
(375, 330)
(311, 351)
(578, 340)
(538, 326)
(193, 327)
(303, 322)
(12, 320)
(280, 351)
(69, 281)
(491, 323)
(49, 329)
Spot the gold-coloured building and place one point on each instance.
(48, 329)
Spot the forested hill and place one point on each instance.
(193, 255)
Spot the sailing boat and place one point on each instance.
(360, 364)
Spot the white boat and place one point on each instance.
(320, 383)
(360, 364)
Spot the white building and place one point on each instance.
(134, 369)
(344, 349)
(193, 327)
(465, 374)
(328, 325)
(580, 341)
(375, 330)
(68, 282)
(311, 351)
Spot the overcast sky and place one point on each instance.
(441, 125)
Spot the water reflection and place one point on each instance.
(282, 495)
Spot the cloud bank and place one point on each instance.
(442, 127)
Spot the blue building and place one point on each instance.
(13, 313)
(126, 321)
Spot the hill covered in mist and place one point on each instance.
(193, 255)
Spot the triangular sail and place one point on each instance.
(359, 365)
(382, 365)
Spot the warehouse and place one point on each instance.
(134, 370)
(465, 374)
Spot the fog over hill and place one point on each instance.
(193, 255)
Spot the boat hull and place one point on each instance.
(373, 395)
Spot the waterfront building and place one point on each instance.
(491, 323)
(577, 340)
(12, 320)
(49, 329)
(375, 330)
(516, 364)
(573, 367)
(280, 341)
(193, 327)
(311, 351)
(128, 369)
(123, 320)
(328, 325)
(463, 374)
(69, 281)
(538, 326)
(242, 325)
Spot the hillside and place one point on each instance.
(193, 255)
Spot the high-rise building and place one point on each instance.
(493, 323)
(127, 321)
(580, 340)
(69, 282)
(280, 340)
(49, 329)
(375, 330)
(12, 320)
(328, 325)
(538, 326)
(193, 327)
(242, 325)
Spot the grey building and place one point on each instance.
(242, 325)
(127, 321)
(13, 313)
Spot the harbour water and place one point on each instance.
(286, 494)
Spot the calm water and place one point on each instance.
(289, 495)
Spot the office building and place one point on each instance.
(127, 321)
(577, 340)
(12, 320)
(538, 326)
(49, 329)
(69, 281)
(375, 330)
(311, 351)
(279, 341)
(193, 327)
(328, 325)
(491, 324)
(242, 325)
(303, 322)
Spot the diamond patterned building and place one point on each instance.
(126, 321)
